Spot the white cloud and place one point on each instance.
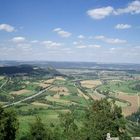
(94, 46)
(122, 26)
(50, 44)
(7, 28)
(57, 29)
(24, 45)
(99, 37)
(75, 43)
(66, 49)
(34, 41)
(100, 13)
(62, 33)
(88, 46)
(132, 8)
(18, 39)
(110, 40)
(81, 46)
(81, 37)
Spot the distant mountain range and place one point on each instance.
(27, 70)
(61, 65)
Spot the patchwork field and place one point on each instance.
(1, 77)
(127, 86)
(90, 83)
(49, 81)
(75, 91)
(40, 104)
(44, 85)
(21, 92)
(59, 89)
(133, 100)
(82, 94)
(53, 99)
(97, 96)
(60, 78)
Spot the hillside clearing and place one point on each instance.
(20, 92)
(90, 83)
(60, 78)
(58, 89)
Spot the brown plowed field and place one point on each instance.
(132, 99)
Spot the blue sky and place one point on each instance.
(70, 30)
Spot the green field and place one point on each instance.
(122, 86)
(48, 107)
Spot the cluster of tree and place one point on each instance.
(13, 85)
(135, 117)
(136, 87)
(4, 97)
(94, 123)
(8, 124)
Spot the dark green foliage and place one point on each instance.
(135, 116)
(38, 131)
(102, 118)
(8, 124)
(69, 126)
(94, 123)
(136, 87)
(134, 123)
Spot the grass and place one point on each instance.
(27, 94)
(47, 116)
(76, 99)
(61, 101)
(119, 103)
(125, 86)
(71, 88)
(62, 104)
(32, 87)
(2, 81)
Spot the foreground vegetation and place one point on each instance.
(100, 118)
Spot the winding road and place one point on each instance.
(5, 83)
(28, 98)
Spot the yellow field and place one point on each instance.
(96, 96)
(57, 95)
(90, 83)
(52, 99)
(132, 99)
(60, 78)
(49, 81)
(20, 92)
(2, 103)
(46, 83)
(40, 104)
(1, 77)
(82, 94)
(58, 89)
(27, 82)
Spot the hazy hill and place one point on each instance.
(27, 70)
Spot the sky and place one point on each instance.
(70, 30)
